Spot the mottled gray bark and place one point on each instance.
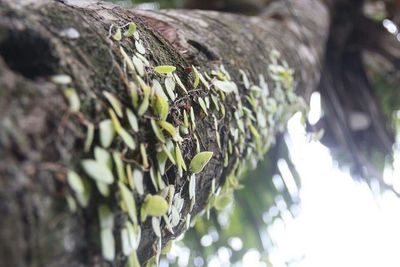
(40, 139)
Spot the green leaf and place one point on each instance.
(133, 260)
(254, 131)
(138, 181)
(144, 105)
(106, 219)
(161, 160)
(106, 133)
(136, 35)
(161, 107)
(115, 103)
(192, 118)
(245, 80)
(196, 78)
(139, 47)
(143, 59)
(132, 119)
(126, 246)
(155, 223)
(131, 30)
(157, 88)
(203, 105)
(61, 79)
(155, 205)
(115, 121)
(185, 119)
(89, 137)
(119, 165)
(128, 139)
(157, 131)
(168, 148)
(134, 94)
(225, 86)
(200, 161)
(84, 197)
(102, 156)
(192, 186)
(127, 59)
(164, 69)
(117, 35)
(138, 65)
(134, 232)
(179, 82)
(180, 163)
(103, 189)
(75, 182)
(169, 128)
(73, 99)
(223, 200)
(169, 87)
(143, 152)
(127, 198)
(97, 171)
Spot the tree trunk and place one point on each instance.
(42, 137)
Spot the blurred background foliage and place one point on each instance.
(242, 226)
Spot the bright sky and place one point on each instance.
(341, 222)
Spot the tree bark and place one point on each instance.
(41, 139)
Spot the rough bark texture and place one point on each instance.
(40, 139)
